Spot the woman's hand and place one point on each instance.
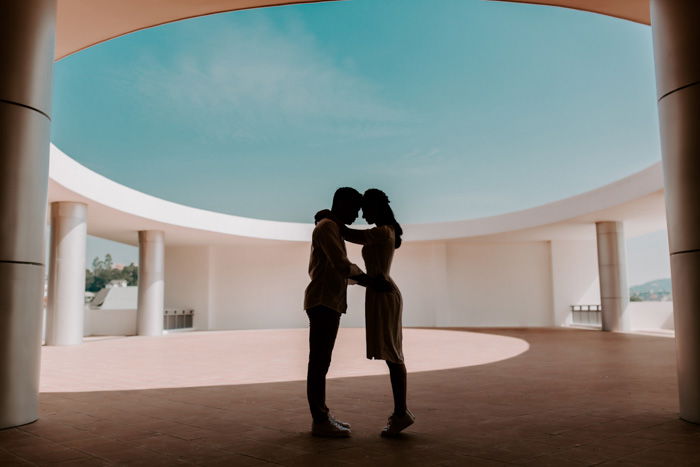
(322, 214)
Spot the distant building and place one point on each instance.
(117, 295)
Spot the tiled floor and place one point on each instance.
(574, 398)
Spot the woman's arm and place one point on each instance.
(361, 237)
(365, 236)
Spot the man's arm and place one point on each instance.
(378, 283)
(327, 237)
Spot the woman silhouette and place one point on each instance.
(383, 305)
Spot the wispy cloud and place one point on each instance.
(247, 80)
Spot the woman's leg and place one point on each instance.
(397, 373)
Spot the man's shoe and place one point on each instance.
(397, 423)
(338, 422)
(329, 429)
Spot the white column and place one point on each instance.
(151, 283)
(65, 308)
(612, 272)
(676, 31)
(26, 54)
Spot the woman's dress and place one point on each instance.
(382, 309)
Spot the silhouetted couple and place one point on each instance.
(326, 300)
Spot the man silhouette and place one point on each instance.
(325, 300)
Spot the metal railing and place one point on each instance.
(178, 319)
(586, 315)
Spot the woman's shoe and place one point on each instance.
(397, 423)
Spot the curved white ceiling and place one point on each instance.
(117, 212)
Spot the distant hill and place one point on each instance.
(659, 286)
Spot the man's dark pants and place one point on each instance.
(324, 323)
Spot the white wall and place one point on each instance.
(109, 322)
(188, 281)
(454, 283)
(443, 284)
(500, 284)
(650, 316)
(258, 286)
(574, 277)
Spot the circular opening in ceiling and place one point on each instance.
(456, 109)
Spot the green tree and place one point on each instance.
(131, 274)
(107, 263)
(103, 271)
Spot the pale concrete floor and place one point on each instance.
(574, 397)
(243, 357)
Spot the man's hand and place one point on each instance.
(380, 284)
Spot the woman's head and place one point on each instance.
(376, 210)
(375, 206)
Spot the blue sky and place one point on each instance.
(457, 108)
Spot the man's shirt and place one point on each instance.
(329, 268)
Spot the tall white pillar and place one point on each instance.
(26, 54)
(151, 301)
(65, 307)
(612, 272)
(677, 57)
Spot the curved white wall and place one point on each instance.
(458, 283)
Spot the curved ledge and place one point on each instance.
(121, 209)
(82, 24)
(94, 187)
(631, 10)
(626, 190)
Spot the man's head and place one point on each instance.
(346, 204)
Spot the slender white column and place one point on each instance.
(151, 283)
(26, 55)
(677, 56)
(612, 272)
(64, 312)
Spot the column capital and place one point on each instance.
(68, 209)
(151, 236)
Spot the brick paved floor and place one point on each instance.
(574, 398)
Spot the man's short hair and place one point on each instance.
(347, 196)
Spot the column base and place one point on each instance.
(21, 291)
(685, 270)
(614, 316)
